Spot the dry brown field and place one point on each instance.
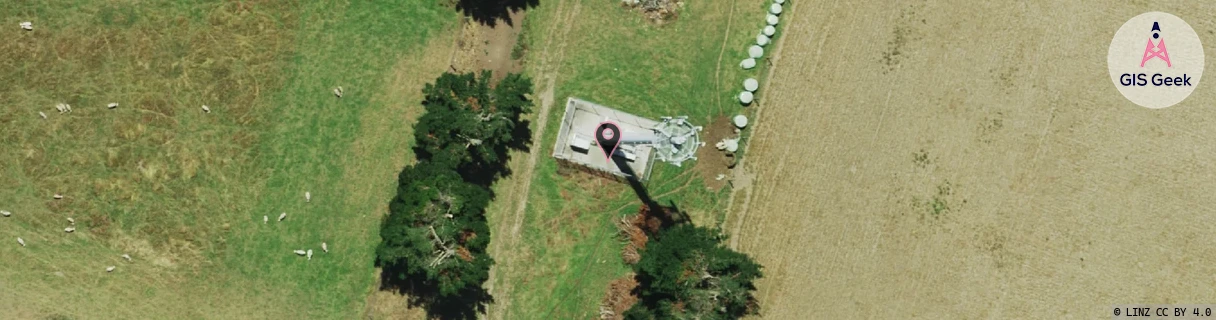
(968, 159)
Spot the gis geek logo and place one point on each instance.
(1152, 51)
(1151, 77)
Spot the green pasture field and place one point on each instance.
(185, 192)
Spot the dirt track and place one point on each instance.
(948, 160)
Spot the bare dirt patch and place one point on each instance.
(489, 47)
(907, 178)
(712, 162)
(656, 11)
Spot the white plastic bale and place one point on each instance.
(775, 9)
(740, 121)
(770, 30)
(748, 63)
(755, 52)
(772, 19)
(761, 40)
(732, 145)
(778, 1)
(751, 84)
(746, 97)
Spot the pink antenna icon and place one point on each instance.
(1160, 52)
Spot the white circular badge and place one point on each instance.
(1155, 60)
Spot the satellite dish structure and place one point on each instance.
(674, 140)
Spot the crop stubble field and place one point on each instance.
(950, 159)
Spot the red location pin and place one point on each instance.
(608, 137)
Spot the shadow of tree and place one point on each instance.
(465, 305)
(487, 12)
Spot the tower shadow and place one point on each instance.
(670, 215)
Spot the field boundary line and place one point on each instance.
(774, 60)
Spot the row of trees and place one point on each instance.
(435, 237)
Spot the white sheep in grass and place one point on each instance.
(310, 254)
(69, 229)
(307, 196)
(126, 257)
(21, 241)
(72, 221)
(63, 107)
(265, 219)
(338, 91)
(57, 196)
(206, 109)
(111, 268)
(282, 216)
(5, 213)
(300, 252)
(112, 105)
(28, 26)
(43, 115)
(325, 247)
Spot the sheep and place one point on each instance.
(206, 109)
(265, 219)
(28, 26)
(69, 229)
(58, 196)
(282, 216)
(325, 247)
(43, 115)
(59, 107)
(126, 257)
(5, 213)
(63, 107)
(309, 254)
(338, 91)
(307, 196)
(110, 268)
(21, 241)
(72, 221)
(300, 252)
(449, 216)
(112, 105)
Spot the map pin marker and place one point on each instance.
(608, 137)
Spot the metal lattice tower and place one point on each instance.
(674, 140)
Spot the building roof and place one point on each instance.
(578, 126)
